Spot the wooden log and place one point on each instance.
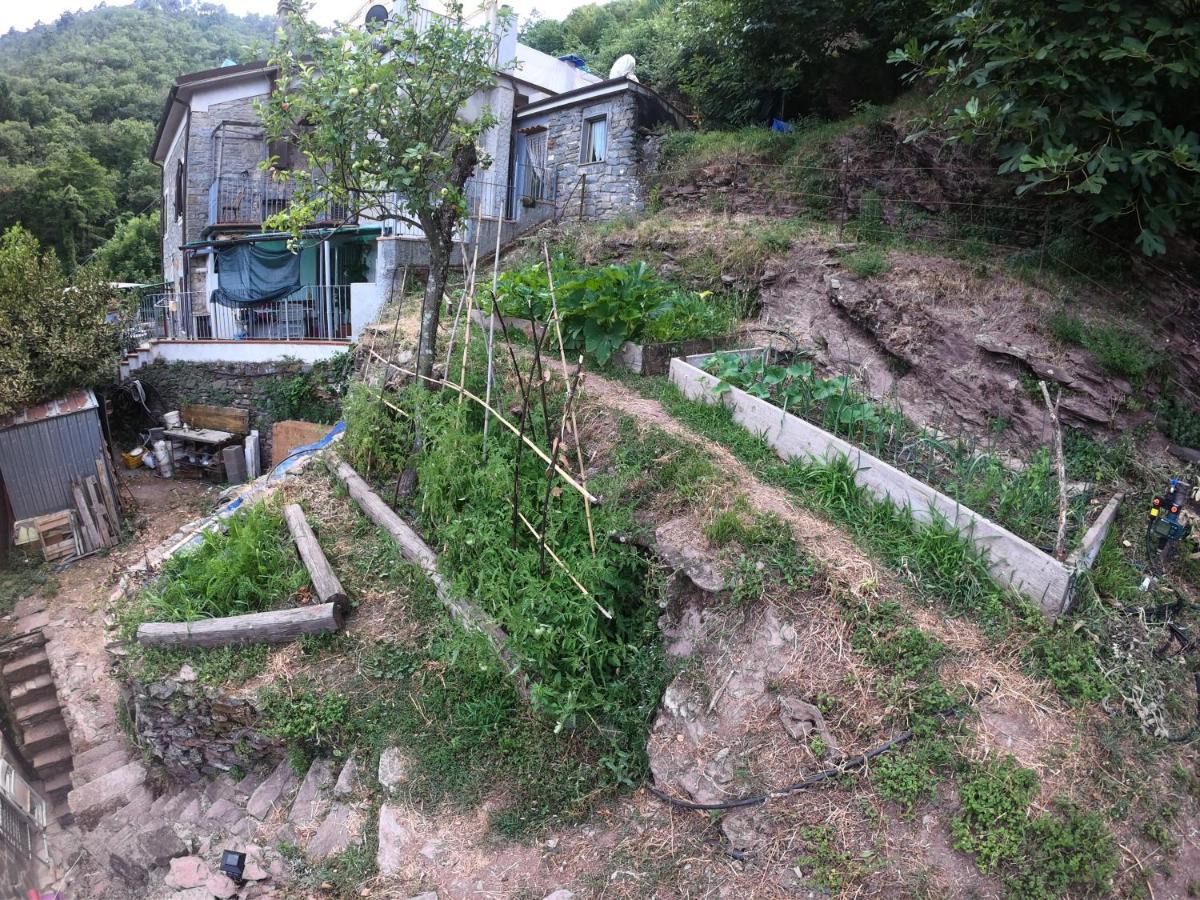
(220, 418)
(253, 628)
(324, 581)
(420, 554)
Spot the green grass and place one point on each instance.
(867, 262)
(1119, 351)
(248, 567)
(24, 576)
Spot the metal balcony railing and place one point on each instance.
(249, 199)
(316, 312)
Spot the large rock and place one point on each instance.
(269, 794)
(395, 840)
(161, 844)
(682, 548)
(394, 767)
(311, 796)
(339, 830)
(188, 872)
(347, 782)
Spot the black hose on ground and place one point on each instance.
(848, 765)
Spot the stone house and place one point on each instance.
(566, 143)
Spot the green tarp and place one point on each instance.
(252, 273)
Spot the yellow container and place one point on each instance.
(133, 459)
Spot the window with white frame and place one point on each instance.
(595, 139)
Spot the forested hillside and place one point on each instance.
(79, 100)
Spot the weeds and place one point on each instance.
(250, 567)
(867, 262)
(992, 822)
(1119, 351)
(830, 866)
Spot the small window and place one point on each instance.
(179, 194)
(595, 139)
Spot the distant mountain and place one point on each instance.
(79, 100)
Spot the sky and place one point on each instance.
(14, 14)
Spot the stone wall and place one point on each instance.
(243, 385)
(611, 188)
(197, 731)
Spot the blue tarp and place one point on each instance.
(252, 273)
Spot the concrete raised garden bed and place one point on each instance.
(1012, 560)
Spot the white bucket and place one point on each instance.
(171, 419)
(164, 463)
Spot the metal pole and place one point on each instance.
(491, 335)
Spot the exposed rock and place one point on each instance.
(161, 844)
(745, 829)
(800, 719)
(268, 794)
(394, 840)
(221, 886)
(393, 768)
(309, 799)
(187, 872)
(347, 781)
(560, 894)
(254, 872)
(339, 830)
(676, 542)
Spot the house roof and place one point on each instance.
(76, 401)
(593, 91)
(182, 89)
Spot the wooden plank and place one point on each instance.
(273, 627)
(1089, 548)
(324, 581)
(218, 418)
(99, 513)
(52, 520)
(421, 554)
(289, 434)
(91, 537)
(104, 475)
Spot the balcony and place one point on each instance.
(249, 199)
(316, 312)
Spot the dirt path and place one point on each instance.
(78, 614)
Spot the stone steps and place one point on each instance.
(29, 665)
(109, 792)
(54, 760)
(34, 689)
(45, 735)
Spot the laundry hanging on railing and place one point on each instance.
(251, 273)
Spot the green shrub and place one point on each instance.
(602, 307)
(249, 567)
(1119, 351)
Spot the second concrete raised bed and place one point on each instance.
(1012, 560)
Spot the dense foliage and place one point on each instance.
(1097, 99)
(56, 333)
(79, 99)
(249, 567)
(742, 61)
(602, 307)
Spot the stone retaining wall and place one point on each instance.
(197, 731)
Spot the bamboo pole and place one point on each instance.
(572, 384)
(392, 348)
(554, 556)
(566, 476)
(491, 337)
(1060, 541)
(562, 355)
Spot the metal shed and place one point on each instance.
(42, 446)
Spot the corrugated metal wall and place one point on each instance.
(38, 460)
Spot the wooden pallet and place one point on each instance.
(57, 535)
